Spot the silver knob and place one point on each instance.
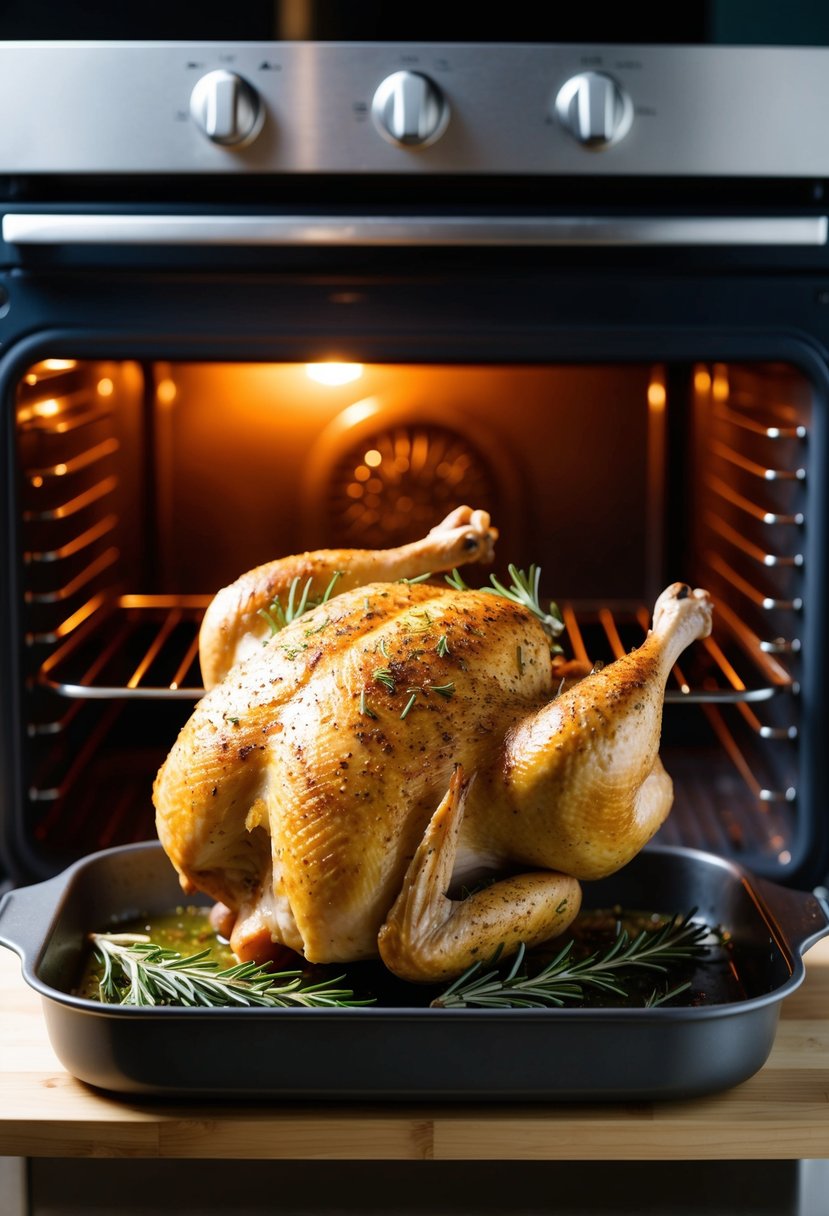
(594, 109)
(410, 110)
(226, 108)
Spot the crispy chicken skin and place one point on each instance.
(343, 781)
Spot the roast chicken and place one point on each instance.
(398, 771)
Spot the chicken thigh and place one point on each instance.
(348, 777)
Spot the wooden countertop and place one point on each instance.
(781, 1113)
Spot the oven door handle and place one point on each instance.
(31, 228)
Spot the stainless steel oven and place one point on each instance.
(557, 310)
(262, 296)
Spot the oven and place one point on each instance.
(144, 476)
(320, 335)
(315, 294)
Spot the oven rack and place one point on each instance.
(136, 647)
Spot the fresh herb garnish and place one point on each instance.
(444, 690)
(293, 652)
(385, 676)
(566, 980)
(523, 590)
(278, 616)
(136, 971)
(661, 998)
(442, 648)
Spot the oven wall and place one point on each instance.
(253, 461)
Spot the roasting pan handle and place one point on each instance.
(30, 228)
(26, 914)
(798, 919)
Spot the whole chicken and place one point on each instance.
(350, 778)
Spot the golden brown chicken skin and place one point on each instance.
(344, 781)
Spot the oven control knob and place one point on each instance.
(226, 108)
(594, 109)
(410, 110)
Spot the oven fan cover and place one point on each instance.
(387, 483)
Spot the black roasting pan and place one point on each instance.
(394, 1052)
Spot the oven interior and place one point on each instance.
(142, 487)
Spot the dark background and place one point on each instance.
(728, 22)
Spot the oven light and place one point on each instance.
(333, 374)
(105, 387)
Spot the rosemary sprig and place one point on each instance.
(444, 690)
(278, 616)
(385, 676)
(564, 979)
(523, 590)
(661, 998)
(455, 580)
(136, 971)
